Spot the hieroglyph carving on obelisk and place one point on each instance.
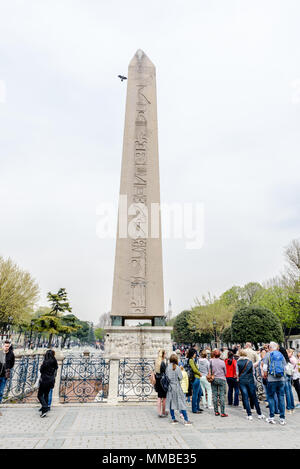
(138, 277)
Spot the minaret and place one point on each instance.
(170, 312)
(138, 274)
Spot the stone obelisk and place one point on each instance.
(138, 274)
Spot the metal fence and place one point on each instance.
(23, 378)
(134, 379)
(84, 379)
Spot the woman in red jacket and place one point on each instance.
(231, 378)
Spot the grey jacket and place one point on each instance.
(175, 394)
(203, 365)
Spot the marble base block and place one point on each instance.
(137, 342)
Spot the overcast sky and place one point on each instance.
(228, 90)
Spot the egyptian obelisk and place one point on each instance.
(138, 273)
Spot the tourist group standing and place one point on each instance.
(211, 375)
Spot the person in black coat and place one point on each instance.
(160, 369)
(48, 372)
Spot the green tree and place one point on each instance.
(69, 325)
(237, 297)
(52, 321)
(204, 338)
(18, 293)
(233, 297)
(211, 316)
(82, 334)
(91, 335)
(99, 333)
(282, 302)
(226, 335)
(249, 292)
(49, 324)
(292, 256)
(255, 324)
(181, 330)
(59, 302)
(40, 311)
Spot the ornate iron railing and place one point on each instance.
(23, 378)
(133, 382)
(84, 379)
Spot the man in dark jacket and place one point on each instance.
(7, 361)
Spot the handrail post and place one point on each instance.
(112, 398)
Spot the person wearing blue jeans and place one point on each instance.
(197, 391)
(276, 387)
(247, 385)
(248, 390)
(50, 398)
(233, 385)
(2, 387)
(290, 405)
(183, 412)
(275, 399)
(274, 365)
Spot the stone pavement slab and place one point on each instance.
(137, 426)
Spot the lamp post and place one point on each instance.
(10, 318)
(215, 332)
(194, 331)
(31, 327)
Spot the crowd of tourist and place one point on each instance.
(208, 378)
(193, 378)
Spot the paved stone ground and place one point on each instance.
(137, 426)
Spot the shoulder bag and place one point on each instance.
(152, 378)
(210, 375)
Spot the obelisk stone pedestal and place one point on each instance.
(137, 342)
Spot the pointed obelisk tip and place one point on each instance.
(141, 59)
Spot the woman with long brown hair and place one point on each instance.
(175, 395)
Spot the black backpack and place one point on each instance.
(165, 382)
(190, 373)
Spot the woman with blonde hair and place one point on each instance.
(244, 370)
(160, 369)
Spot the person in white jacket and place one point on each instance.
(296, 374)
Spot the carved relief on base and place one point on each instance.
(137, 344)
